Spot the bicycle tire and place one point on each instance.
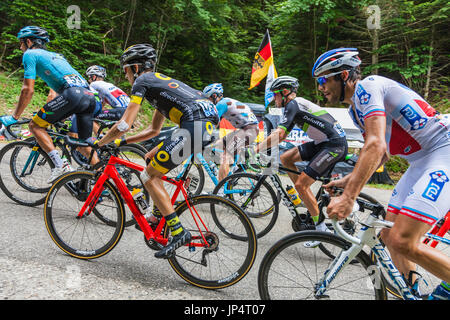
(207, 270)
(265, 218)
(62, 208)
(287, 262)
(23, 192)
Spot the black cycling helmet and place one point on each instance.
(143, 54)
(284, 82)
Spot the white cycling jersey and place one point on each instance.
(110, 94)
(238, 113)
(416, 133)
(412, 128)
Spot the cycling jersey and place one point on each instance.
(110, 94)
(314, 120)
(238, 113)
(53, 68)
(174, 99)
(412, 128)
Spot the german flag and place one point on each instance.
(262, 61)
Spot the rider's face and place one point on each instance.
(129, 74)
(331, 89)
(23, 46)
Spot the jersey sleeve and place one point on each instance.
(29, 64)
(222, 107)
(369, 99)
(287, 121)
(138, 91)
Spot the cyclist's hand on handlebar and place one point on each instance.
(333, 185)
(7, 120)
(93, 142)
(340, 207)
(252, 159)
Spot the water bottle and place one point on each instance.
(293, 195)
(213, 167)
(139, 197)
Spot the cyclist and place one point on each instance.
(328, 147)
(241, 117)
(188, 108)
(394, 120)
(108, 94)
(69, 94)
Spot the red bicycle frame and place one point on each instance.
(439, 230)
(110, 172)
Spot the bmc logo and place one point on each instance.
(413, 117)
(435, 186)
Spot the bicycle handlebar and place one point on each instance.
(376, 209)
(19, 122)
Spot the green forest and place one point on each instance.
(205, 41)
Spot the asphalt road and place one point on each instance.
(33, 267)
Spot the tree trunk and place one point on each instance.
(430, 64)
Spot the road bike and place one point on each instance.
(25, 167)
(289, 270)
(261, 202)
(211, 260)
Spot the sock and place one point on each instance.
(315, 219)
(445, 285)
(174, 223)
(56, 158)
(322, 226)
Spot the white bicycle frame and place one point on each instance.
(367, 236)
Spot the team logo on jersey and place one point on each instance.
(413, 117)
(362, 94)
(435, 186)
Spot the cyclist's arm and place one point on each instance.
(372, 154)
(26, 94)
(152, 131)
(273, 139)
(128, 117)
(51, 95)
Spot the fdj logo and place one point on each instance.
(362, 94)
(413, 117)
(434, 188)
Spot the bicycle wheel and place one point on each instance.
(262, 208)
(221, 261)
(290, 271)
(24, 171)
(194, 183)
(86, 237)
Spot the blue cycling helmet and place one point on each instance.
(33, 32)
(333, 59)
(214, 88)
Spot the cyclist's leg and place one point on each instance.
(87, 109)
(426, 203)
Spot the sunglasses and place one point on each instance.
(322, 80)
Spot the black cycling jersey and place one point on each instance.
(315, 121)
(174, 99)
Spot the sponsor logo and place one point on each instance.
(413, 117)
(435, 186)
(362, 95)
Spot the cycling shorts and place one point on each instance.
(423, 191)
(76, 100)
(323, 156)
(109, 114)
(237, 140)
(192, 137)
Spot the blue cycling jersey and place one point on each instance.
(53, 68)
(238, 113)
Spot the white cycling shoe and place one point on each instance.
(314, 244)
(56, 172)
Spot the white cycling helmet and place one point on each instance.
(336, 58)
(96, 71)
(214, 88)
